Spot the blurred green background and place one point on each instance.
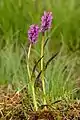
(17, 15)
(15, 18)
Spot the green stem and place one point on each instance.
(42, 68)
(34, 97)
(32, 83)
(28, 62)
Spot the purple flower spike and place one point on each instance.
(46, 21)
(33, 33)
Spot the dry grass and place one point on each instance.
(12, 108)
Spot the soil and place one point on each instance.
(12, 108)
(70, 112)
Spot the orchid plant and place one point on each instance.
(33, 33)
